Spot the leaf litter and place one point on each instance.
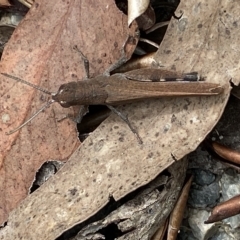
(139, 217)
(110, 162)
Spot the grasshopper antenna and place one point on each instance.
(40, 110)
(27, 83)
(31, 118)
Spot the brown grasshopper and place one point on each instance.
(121, 88)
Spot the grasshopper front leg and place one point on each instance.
(85, 61)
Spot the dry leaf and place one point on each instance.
(194, 44)
(225, 209)
(41, 51)
(139, 217)
(160, 233)
(111, 162)
(137, 63)
(147, 19)
(4, 3)
(178, 211)
(227, 153)
(136, 8)
(27, 3)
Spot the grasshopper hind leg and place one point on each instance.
(126, 120)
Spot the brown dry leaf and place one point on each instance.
(137, 63)
(227, 153)
(176, 216)
(225, 210)
(40, 51)
(111, 162)
(147, 19)
(160, 233)
(4, 3)
(139, 217)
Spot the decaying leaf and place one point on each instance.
(139, 218)
(41, 51)
(111, 162)
(150, 201)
